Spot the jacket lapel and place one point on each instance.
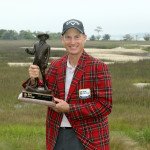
(61, 77)
(80, 69)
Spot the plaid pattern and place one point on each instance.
(88, 117)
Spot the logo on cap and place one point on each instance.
(72, 22)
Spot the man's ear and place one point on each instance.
(85, 38)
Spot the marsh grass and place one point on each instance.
(147, 48)
(19, 137)
(130, 115)
(22, 125)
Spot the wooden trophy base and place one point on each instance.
(36, 98)
(39, 96)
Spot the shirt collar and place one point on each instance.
(69, 65)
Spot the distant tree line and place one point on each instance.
(126, 37)
(98, 36)
(106, 37)
(147, 37)
(24, 34)
(129, 37)
(28, 35)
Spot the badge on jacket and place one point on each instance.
(84, 93)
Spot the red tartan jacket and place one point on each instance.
(88, 117)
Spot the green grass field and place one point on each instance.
(22, 125)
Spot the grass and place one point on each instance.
(19, 137)
(147, 48)
(130, 115)
(22, 125)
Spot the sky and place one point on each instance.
(114, 16)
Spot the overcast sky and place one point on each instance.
(114, 16)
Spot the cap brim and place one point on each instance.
(72, 27)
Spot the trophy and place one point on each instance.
(32, 92)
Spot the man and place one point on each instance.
(41, 51)
(82, 92)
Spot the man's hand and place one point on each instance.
(61, 106)
(34, 71)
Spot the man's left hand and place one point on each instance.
(61, 106)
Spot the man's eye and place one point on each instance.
(77, 37)
(67, 37)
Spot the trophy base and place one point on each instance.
(36, 101)
(38, 96)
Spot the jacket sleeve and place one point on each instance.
(102, 104)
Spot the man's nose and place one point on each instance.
(72, 40)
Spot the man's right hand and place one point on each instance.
(34, 71)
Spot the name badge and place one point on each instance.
(84, 93)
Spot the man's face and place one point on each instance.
(73, 41)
